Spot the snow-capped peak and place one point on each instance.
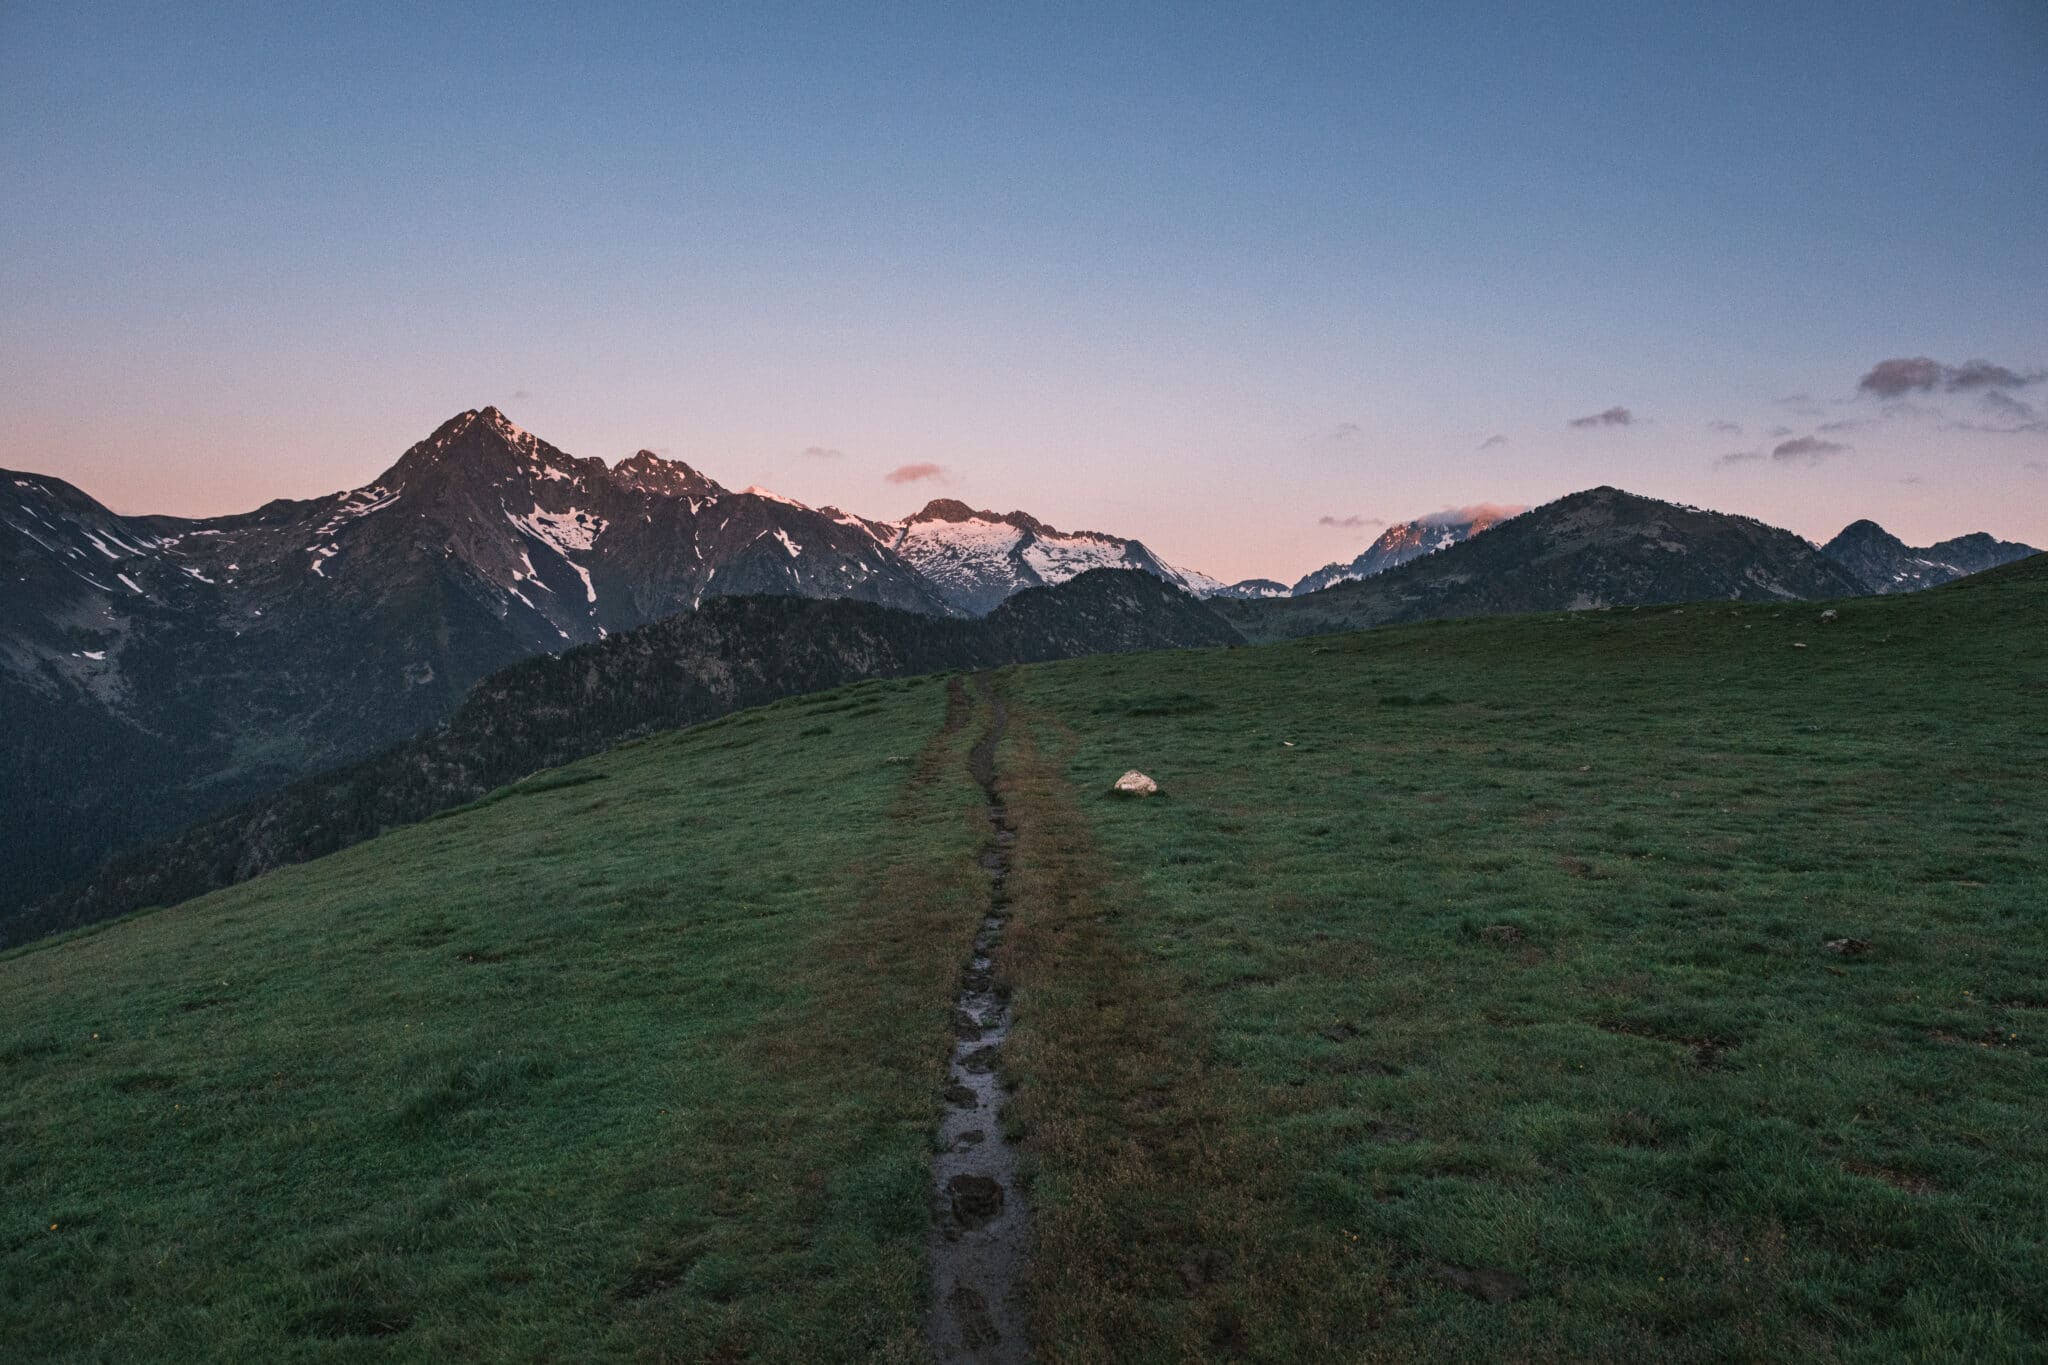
(756, 491)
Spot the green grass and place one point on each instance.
(1533, 978)
(1484, 945)
(637, 1066)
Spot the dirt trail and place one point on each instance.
(980, 1233)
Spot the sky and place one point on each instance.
(1242, 281)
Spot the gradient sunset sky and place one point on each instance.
(1238, 280)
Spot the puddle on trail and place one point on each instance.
(979, 1232)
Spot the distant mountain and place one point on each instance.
(154, 668)
(1599, 548)
(975, 559)
(731, 653)
(1247, 588)
(1883, 563)
(1403, 541)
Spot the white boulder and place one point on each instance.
(1135, 783)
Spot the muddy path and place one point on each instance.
(980, 1234)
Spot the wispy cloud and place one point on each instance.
(1800, 450)
(913, 473)
(1982, 374)
(1344, 433)
(1901, 375)
(1350, 523)
(1806, 450)
(2007, 405)
(1613, 417)
(1493, 442)
(824, 452)
(1487, 512)
(2010, 416)
(1725, 427)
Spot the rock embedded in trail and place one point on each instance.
(1135, 783)
(974, 1198)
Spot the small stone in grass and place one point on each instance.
(1847, 947)
(1135, 783)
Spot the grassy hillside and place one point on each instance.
(1467, 995)
(634, 1060)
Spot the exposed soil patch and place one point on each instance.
(1709, 1054)
(979, 1234)
(1891, 1175)
(1482, 1283)
(1897, 1179)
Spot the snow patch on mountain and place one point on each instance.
(977, 558)
(756, 491)
(1407, 540)
(563, 532)
(356, 505)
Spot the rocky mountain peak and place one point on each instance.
(953, 510)
(651, 473)
(1406, 540)
(949, 509)
(482, 440)
(1883, 563)
(1865, 531)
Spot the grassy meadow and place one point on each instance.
(631, 1062)
(1500, 945)
(1467, 995)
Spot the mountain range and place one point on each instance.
(162, 667)
(155, 670)
(976, 559)
(1883, 563)
(1599, 548)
